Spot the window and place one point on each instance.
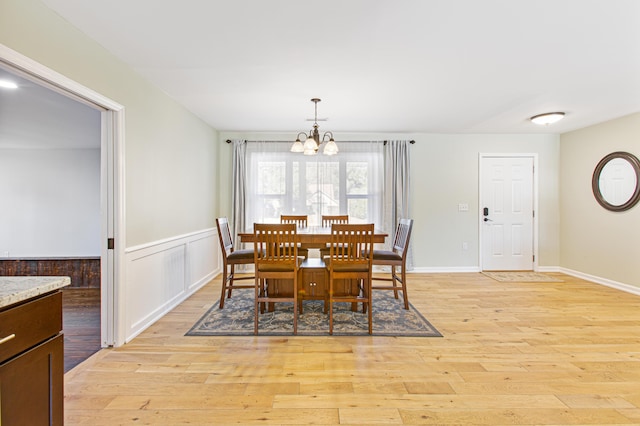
(282, 182)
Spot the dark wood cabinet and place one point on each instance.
(32, 362)
(313, 283)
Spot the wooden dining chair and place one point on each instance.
(327, 221)
(395, 258)
(231, 258)
(349, 265)
(276, 258)
(301, 221)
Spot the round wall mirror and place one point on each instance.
(615, 181)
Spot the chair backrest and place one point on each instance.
(275, 245)
(328, 220)
(224, 234)
(401, 239)
(351, 245)
(299, 220)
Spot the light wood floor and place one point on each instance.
(512, 354)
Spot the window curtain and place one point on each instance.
(238, 191)
(267, 180)
(397, 189)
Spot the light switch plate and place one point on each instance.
(463, 207)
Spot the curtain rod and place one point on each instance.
(411, 141)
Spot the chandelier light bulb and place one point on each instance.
(330, 148)
(297, 146)
(310, 144)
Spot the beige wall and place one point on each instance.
(170, 154)
(596, 241)
(444, 173)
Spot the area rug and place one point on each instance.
(237, 319)
(521, 276)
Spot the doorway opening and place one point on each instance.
(111, 129)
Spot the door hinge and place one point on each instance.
(534, 258)
(110, 243)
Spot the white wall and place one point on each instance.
(169, 164)
(594, 241)
(444, 173)
(170, 154)
(50, 203)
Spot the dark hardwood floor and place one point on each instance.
(81, 324)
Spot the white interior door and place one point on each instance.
(506, 213)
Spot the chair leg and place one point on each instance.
(330, 306)
(231, 277)
(404, 289)
(393, 281)
(369, 299)
(295, 306)
(370, 318)
(257, 292)
(225, 277)
(363, 290)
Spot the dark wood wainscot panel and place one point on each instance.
(84, 272)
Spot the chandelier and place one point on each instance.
(312, 141)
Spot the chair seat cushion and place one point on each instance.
(339, 267)
(279, 266)
(241, 255)
(386, 255)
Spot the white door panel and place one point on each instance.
(507, 213)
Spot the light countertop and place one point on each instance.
(16, 289)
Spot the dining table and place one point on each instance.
(313, 281)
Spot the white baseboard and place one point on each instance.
(604, 281)
(443, 270)
(548, 269)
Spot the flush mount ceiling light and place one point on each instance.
(547, 118)
(6, 84)
(312, 140)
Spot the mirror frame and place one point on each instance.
(595, 181)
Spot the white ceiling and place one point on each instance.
(442, 66)
(35, 117)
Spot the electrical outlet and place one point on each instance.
(465, 246)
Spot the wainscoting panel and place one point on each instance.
(83, 271)
(161, 275)
(203, 257)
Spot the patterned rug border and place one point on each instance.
(521, 276)
(313, 307)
